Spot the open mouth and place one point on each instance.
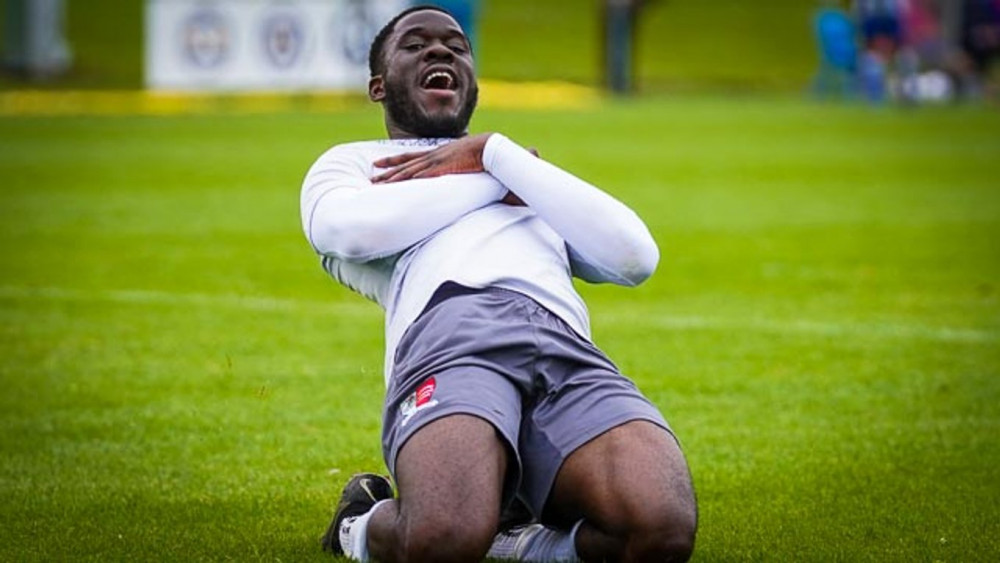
(439, 80)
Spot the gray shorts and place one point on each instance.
(499, 355)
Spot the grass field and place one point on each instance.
(180, 381)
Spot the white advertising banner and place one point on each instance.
(237, 45)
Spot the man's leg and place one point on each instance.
(449, 477)
(632, 487)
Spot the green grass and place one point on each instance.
(181, 382)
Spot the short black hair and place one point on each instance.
(376, 62)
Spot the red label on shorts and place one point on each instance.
(425, 391)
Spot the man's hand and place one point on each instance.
(463, 156)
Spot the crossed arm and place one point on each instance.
(348, 216)
(420, 193)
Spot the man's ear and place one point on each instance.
(376, 88)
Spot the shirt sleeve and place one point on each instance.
(606, 240)
(346, 216)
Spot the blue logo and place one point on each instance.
(283, 36)
(207, 38)
(359, 29)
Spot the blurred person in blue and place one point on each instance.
(836, 37)
(880, 26)
(508, 433)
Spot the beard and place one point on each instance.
(405, 113)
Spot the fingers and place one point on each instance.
(405, 166)
(423, 165)
(401, 167)
(407, 171)
(398, 159)
(462, 156)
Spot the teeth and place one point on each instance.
(439, 74)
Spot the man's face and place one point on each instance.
(428, 87)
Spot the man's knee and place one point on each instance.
(449, 499)
(448, 537)
(668, 536)
(660, 545)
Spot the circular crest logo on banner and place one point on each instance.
(357, 30)
(207, 38)
(283, 35)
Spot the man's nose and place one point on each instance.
(438, 51)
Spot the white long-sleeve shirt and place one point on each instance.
(397, 243)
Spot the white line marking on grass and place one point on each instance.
(152, 297)
(809, 327)
(665, 322)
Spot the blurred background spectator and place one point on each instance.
(35, 45)
(980, 38)
(836, 37)
(620, 30)
(879, 22)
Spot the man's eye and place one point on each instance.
(413, 46)
(459, 48)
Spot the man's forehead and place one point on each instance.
(427, 20)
